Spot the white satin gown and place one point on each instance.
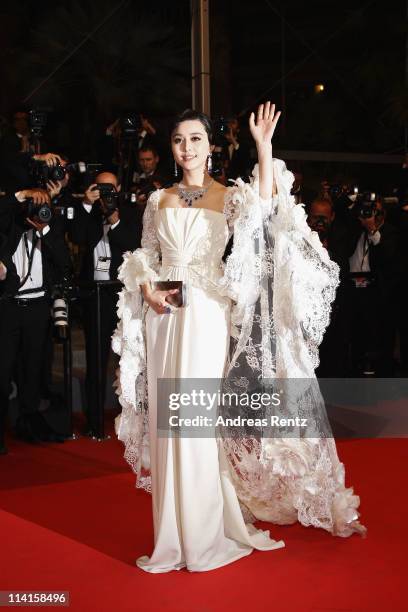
(198, 523)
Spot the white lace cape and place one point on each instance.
(282, 283)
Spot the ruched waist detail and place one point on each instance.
(176, 267)
(177, 261)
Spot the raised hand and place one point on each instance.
(263, 128)
(146, 125)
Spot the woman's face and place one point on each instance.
(190, 145)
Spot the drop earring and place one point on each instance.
(209, 163)
(175, 169)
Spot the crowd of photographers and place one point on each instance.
(65, 225)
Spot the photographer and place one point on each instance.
(402, 224)
(127, 134)
(150, 177)
(236, 153)
(38, 259)
(17, 155)
(374, 282)
(7, 272)
(106, 229)
(340, 243)
(60, 192)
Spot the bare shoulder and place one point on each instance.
(215, 196)
(219, 187)
(168, 197)
(170, 190)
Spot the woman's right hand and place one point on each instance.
(157, 300)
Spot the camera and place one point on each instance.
(130, 125)
(145, 186)
(366, 205)
(42, 173)
(335, 191)
(221, 126)
(37, 121)
(40, 214)
(108, 195)
(62, 208)
(44, 213)
(320, 223)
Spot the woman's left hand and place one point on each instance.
(262, 129)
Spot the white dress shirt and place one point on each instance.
(102, 250)
(231, 149)
(359, 261)
(21, 259)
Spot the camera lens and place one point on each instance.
(44, 214)
(57, 173)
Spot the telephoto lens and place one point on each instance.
(60, 316)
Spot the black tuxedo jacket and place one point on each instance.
(240, 163)
(384, 260)
(86, 229)
(11, 282)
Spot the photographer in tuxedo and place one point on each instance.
(35, 258)
(374, 268)
(7, 272)
(340, 242)
(106, 229)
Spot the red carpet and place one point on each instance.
(71, 520)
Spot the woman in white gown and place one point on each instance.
(202, 504)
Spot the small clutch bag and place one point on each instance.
(176, 299)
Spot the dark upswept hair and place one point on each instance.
(193, 115)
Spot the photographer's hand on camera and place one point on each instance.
(370, 224)
(51, 159)
(92, 195)
(113, 218)
(54, 188)
(41, 228)
(39, 196)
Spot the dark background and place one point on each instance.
(138, 58)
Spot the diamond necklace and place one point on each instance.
(191, 195)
